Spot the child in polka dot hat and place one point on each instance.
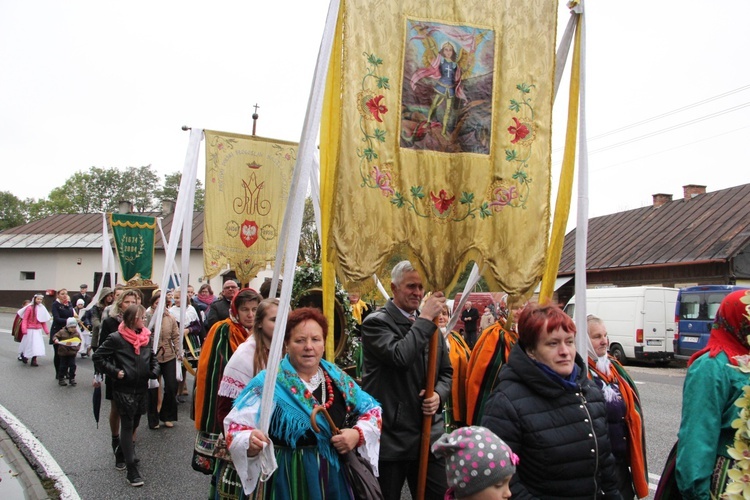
(478, 464)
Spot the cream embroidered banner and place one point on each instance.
(436, 138)
(247, 187)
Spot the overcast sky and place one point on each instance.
(109, 84)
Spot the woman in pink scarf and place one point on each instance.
(126, 356)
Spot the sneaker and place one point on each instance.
(62, 382)
(120, 459)
(168, 425)
(134, 477)
(73, 382)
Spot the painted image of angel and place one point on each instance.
(447, 74)
(447, 88)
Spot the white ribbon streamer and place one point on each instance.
(292, 225)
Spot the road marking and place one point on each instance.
(653, 477)
(49, 466)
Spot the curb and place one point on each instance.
(35, 465)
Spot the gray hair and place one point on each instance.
(594, 319)
(399, 270)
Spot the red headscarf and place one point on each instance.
(730, 329)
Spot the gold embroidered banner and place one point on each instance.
(436, 138)
(247, 188)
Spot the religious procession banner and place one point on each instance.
(134, 240)
(247, 187)
(435, 138)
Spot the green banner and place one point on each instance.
(134, 240)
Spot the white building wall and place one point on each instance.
(69, 268)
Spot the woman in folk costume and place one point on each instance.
(490, 353)
(297, 461)
(16, 329)
(627, 432)
(459, 352)
(220, 344)
(33, 325)
(711, 387)
(248, 360)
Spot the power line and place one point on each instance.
(669, 113)
(669, 129)
(692, 143)
(662, 115)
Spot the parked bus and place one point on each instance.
(695, 313)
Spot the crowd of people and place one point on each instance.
(513, 408)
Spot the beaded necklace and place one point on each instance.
(329, 392)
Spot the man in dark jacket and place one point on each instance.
(84, 295)
(395, 343)
(219, 310)
(470, 316)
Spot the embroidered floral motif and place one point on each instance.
(502, 196)
(519, 131)
(383, 181)
(441, 201)
(376, 108)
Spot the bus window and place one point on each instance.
(690, 306)
(714, 301)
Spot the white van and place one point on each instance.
(640, 320)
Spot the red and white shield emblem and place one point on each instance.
(249, 233)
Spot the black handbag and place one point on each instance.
(358, 470)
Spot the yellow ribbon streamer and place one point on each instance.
(562, 205)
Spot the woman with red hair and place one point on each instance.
(299, 460)
(549, 413)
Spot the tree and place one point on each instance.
(309, 242)
(481, 285)
(105, 189)
(98, 190)
(13, 211)
(140, 185)
(171, 187)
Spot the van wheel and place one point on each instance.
(618, 353)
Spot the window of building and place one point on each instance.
(28, 275)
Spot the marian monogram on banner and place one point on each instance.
(247, 187)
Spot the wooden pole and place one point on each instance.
(429, 390)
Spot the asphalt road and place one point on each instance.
(62, 419)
